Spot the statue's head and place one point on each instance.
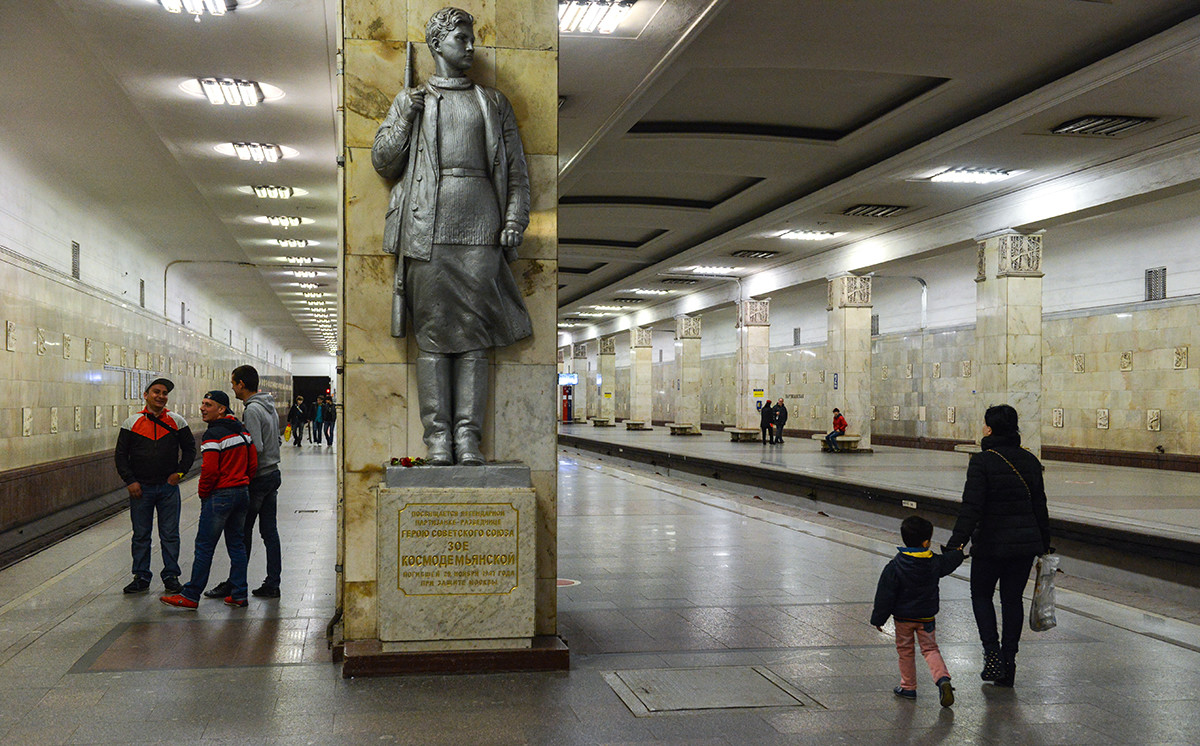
(450, 35)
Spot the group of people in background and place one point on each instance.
(318, 417)
(239, 486)
(772, 418)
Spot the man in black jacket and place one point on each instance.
(155, 448)
(781, 418)
(766, 421)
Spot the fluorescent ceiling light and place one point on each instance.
(649, 291)
(611, 308)
(592, 16)
(258, 152)
(590, 314)
(972, 175)
(299, 259)
(306, 284)
(283, 221)
(295, 243)
(303, 273)
(283, 192)
(232, 91)
(715, 270)
(810, 235)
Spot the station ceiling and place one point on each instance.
(699, 134)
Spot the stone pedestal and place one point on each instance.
(687, 371)
(752, 367)
(1008, 330)
(606, 407)
(848, 354)
(641, 375)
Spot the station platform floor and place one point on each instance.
(749, 623)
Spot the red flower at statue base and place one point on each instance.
(408, 463)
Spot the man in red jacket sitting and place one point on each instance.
(229, 461)
(839, 429)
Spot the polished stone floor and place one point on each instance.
(672, 579)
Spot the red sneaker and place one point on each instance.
(179, 601)
(237, 603)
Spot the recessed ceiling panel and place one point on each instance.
(698, 187)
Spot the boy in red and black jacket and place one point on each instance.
(229, 461)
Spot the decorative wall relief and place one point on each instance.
(951, 415)
(873, 413)
(640, 337)
(124, 357)
(53, 420)
(754, 313)
(78, 419)
(812, 412)
(1077, 362)
(896, 412)
(1154, 420)
(687, 327)
(579, 351)
(608, 345)
(788, 379)
(1019, 256)
(108, 354)
(1102, 419)
(26, 421)
(1058, 417)
(10, 336)
(965, 367)
(980, 262)
(804, 377)
(1126, 363)
(88, 353)
(66, 345)
(937, 370)
(908, 370)
(820, 376)
(41, 341)
(1181, 358)
(772, 379)
(885, 372)
(116, 415)
(98, 419)
(562, 357)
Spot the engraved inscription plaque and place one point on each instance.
(448, 549)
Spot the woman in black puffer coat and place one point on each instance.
(1004, 516)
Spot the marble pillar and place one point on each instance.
(583, 391)
(687, 371)
(848, 354)
(517, 52)
(606, 406)
(1008, 330)
(641, 372)
(751, 366)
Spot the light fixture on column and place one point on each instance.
(591, 16)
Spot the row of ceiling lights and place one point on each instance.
(228, 91)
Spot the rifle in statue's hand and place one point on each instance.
(399, 311)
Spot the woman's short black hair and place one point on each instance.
(1002, 418)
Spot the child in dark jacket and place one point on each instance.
(908, 592)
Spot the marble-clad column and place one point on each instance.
(848, 351)
(606, 407)
(579, 366)
(641, 372)
(752, 368)
(687, 371)
(517, 52)
(1008, 330)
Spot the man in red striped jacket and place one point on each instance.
(229, 461)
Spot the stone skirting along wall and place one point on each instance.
(73, 367)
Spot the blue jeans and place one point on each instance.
(163, 498)
(264, 498)
(329, 432)
(223, 512)
(831, 439)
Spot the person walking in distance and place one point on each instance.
(312, 415)
(330, 417)
(781, 418)
(296, 419)
(766, 422)
(229, 461)
(262, 422)
(155, 448)
(839, 429)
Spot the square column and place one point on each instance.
(687, 371)
(1008, 330)
(641, 370)
(585, 388)
(753, 333)
(848, 382)
(607, 405)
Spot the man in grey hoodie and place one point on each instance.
(262, 420)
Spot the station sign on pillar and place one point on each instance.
(687, 372)
(579, 366)
(849, 352)
(607, 378)
(753, 334)
(1008, 330)
(641, 374)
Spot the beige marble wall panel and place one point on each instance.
(367, 194)
(484, 11)
(538, 282)
(524, 407)
(372, 75)
(527, 24)
(371, 278)
(530, 80)
(378, 20)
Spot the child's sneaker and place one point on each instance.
(945, 691)
(905, 693)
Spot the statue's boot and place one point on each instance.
(470, 401)
(435, 395)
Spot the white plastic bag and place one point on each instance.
(1041, 611)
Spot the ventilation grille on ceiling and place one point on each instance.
(75, 259)
(678, 281)
(874, 325)
(627, 300)
(142, 293)
(1156, 283)
(748, 254)
(1100, 125)
(574, 320)
(875, 211)
(795, 336)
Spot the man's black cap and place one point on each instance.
(220, 397)
(164, 381)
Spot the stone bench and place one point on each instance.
(845, 442)
(683, 428)
(603, 422)
(740, 434)
(636, 425)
